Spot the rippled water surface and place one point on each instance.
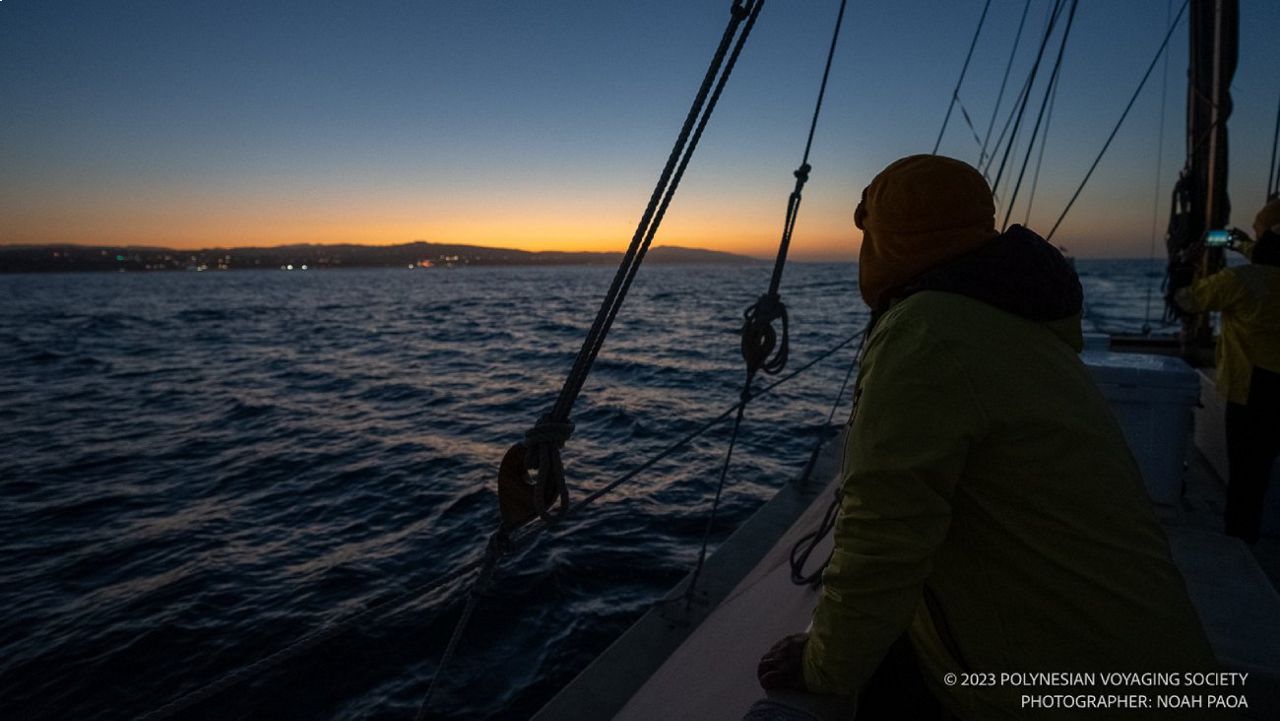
(197, 469)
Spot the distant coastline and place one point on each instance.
(420, 254)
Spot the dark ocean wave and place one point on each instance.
(199, 469)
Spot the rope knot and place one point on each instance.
(759, 338)
(548, 432)
(522, 497)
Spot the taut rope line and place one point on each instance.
(540, 450)
(1142, 83)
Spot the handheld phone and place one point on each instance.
(1217, 238)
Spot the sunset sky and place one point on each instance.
(543, 125)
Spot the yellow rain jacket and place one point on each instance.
(993, 511)
(1249, 298)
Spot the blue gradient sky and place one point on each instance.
(543, 125)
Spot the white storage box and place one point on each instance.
(1153, 397)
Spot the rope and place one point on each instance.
(533, 529)
(1155, 200)
(964, 113)
(176, 706)
(1026, 95)
(715, 503)
(547, 437)
(1044, 103)
(544, 442)
(1035, 179)
(186, 701)
(1125, 114)
(553, 428)
(806, 544)
(496, 548)
(963, 69)
(822, 89)
(991, 160)
(669, 180)
(1273, 175)
(982, 156)
(724, 469)
(758, 336)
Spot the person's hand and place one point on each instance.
(782, 667)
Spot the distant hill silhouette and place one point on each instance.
(72, 258)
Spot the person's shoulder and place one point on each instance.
(939, 314)
(929, 322)
(1252, 271)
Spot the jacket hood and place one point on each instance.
(1267, 219)
(918, 213)
(1018, 272)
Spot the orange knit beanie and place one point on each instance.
(918, 213)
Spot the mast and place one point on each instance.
(1200, 200)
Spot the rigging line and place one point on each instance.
(497, 546)
(1273, 179)
(304, 643)
(845, 383)
(806, 544)
(822, 89)
(1044, 141)
(715, 504)
(802, 173)
(964, 113)
(991, 159)
(1020, 98)
(537, 526)
(1035, 130)
(982, 156)
(651, 216)
(758, 336)
(500, 542)
(963, 69)
(1155, 200)
(1035, 69)
(1163, 45)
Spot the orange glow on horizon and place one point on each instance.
(583, 219)
(600, 224)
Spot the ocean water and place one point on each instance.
(197, 469)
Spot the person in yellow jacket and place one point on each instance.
(1248, 360)
(992, 513)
